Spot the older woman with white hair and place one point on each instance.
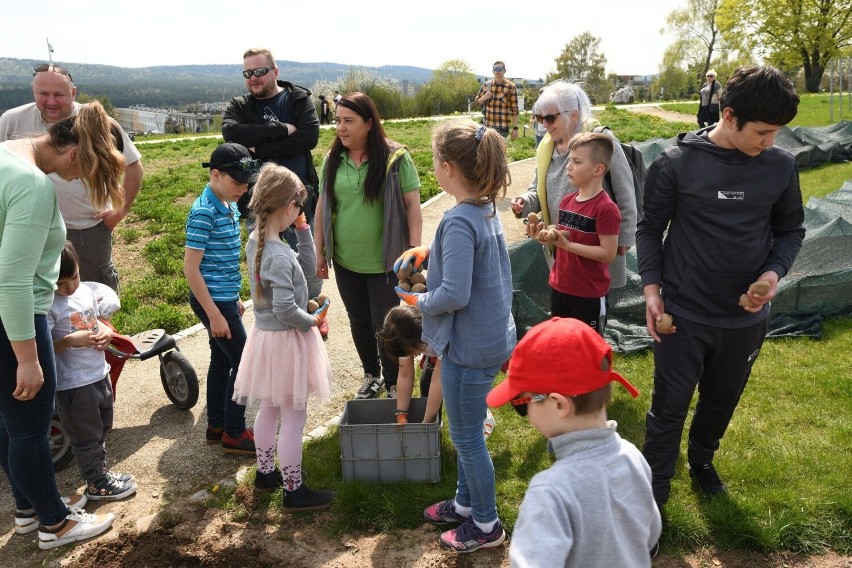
(565, 110)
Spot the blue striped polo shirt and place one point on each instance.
(215, 228)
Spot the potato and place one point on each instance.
(665, 323)
(405, 285)
(321, 299)
(312, 306)
(417, 278)
(404, 273)
(420, 288)
(548, 235)
(759, 288)
(746, 302)
(533, 219)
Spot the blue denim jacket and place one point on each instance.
(467, 312)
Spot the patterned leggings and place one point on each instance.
(289, 441)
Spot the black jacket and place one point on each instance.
(244, 124)
(730, 217)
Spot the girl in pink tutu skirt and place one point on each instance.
(287, 360)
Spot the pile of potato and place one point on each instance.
(411, 281)
(549, 234)
(315, 303)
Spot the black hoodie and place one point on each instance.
(730, 218)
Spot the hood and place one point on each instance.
(297, 91)
(700, 140)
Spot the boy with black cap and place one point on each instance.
(594, 505)
(212, 270)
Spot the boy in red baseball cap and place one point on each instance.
(594, 505)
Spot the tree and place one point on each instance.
(83, 98)
(580, 62)
(804, 33)
(452, 83)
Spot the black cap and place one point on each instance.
(235, 160)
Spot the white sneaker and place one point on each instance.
(488, 424)
(78, 526)
(27, 522)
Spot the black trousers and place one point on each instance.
(367, 298)
(719, 362)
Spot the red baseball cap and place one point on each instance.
(561, 355)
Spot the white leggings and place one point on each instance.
(289, 441)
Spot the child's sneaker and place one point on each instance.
(123, 477)
(488, 424)
(468, 537)
(242, 444)
(304, 498)
(443, 513)
(268, 482)
(78, 525)
(213, 435)
(107, 488)
(27, 521)
(370, 388)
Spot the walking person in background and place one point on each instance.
(723, 209)
(289, 360)
(32, 236)
(325, 110)
(212, 270)
(708, 109)
(565, 109)
(88, 226)
(369, 213)
(499, 102)
(467, 318)
(84, 395)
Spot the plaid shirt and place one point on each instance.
(502, 108)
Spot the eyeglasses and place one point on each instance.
(546, 118)
(245, 164)
(259, 72)
(498, 68)
(520, 403)
(42, 67)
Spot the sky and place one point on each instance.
(528, 37)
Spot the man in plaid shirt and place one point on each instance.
(499, 102)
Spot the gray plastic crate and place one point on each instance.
(374, 448)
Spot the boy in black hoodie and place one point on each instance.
(733, 209)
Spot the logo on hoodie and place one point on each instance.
(738, 195)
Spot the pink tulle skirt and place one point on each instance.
(283, 368)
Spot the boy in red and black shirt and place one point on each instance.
(587, 236)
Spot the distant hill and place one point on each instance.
(173, 86)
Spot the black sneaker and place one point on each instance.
(655, 550)
(213, 435)
(268, 482)
(370, 388)
(108, 488)
(707, 479)
(307, 499)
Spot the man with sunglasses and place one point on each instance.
(277, 121)
(499, 102)
(594, 507)
(89, 230)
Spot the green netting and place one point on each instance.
(818, 286)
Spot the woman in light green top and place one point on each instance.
(32, 235)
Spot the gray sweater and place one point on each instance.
(283, 283)
(592, 508)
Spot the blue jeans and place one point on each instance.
(24, 425)
(464, 396)
(225, 357)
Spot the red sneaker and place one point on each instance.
(242, 444)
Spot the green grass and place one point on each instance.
(814, 109)
(785, 458)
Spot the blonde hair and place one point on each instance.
(276, 187)
(479, 153)
(101, 163)
(261, 51)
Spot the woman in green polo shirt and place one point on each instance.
(369, 214)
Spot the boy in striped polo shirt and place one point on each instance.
(212, 270)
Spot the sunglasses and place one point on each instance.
(520, 403)
(259, 72)
(245, 164)
(498, 69)
(42, 67)
(546, 118)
